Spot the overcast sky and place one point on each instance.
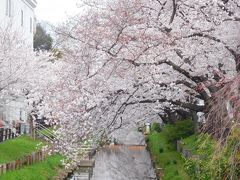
(55, 11)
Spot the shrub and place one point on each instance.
(176, 172)
(168, 163)
(174, 162)
(156, 127)
(161, 150)
(179, 130)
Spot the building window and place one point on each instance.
(9, 8)
(20, 115)
(6, 7)
(31, 24)
(21, 17)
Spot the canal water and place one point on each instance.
(129, 162)
(82, 174)
(119, 163)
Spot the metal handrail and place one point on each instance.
(45, 135)
(44, 128)
(40, 129)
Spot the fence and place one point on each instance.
(6, 134)
(27, 160)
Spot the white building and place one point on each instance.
(13, 111)
(19, 14)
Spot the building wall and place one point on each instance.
(20, 15)
(13, 109)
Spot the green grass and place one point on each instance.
(199, 144)
(203, 146)
(191, 143)
(170, 160)
(17, 148)
(44, 170)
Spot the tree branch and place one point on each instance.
(174, 11)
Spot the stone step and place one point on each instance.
(82, 176)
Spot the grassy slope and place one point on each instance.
(39, 171)
(191, 143)
(166, 159)
(17, 148)
(195, 143)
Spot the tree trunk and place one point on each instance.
(195, 121)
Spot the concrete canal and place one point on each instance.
(120, 162)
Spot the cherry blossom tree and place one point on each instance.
(13, 58)
(159, 38)
(125, 60)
